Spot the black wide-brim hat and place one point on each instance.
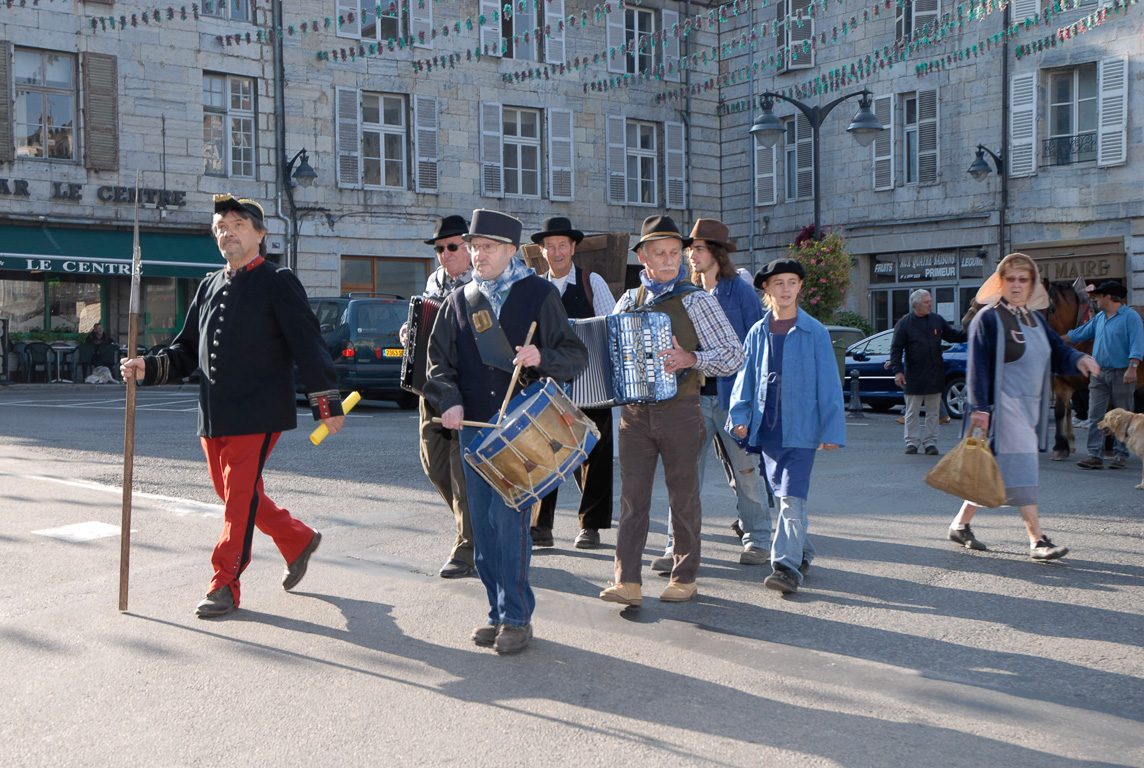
(1111, 288)
(495, 226)
(779, 267)
(228, 202)
(558, 226)
(448, 226)
(660, 228)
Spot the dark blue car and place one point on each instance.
(876, 381)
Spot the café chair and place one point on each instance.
(108, 355)
(83, 361)
(37, 354)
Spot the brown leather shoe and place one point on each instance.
(485, 635)
(512, 639)
(297, 569)
(217, 603)
(678, 592)
(625, 593)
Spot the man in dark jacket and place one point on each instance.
(245, 328)
(919, 335)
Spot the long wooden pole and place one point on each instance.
(129, 413)
(515, 374)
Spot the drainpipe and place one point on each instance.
(1006, 152)
(280, 133)
(685, 49)
(753, 202)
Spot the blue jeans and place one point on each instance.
(742, 474)
(502, 547)
(1107, 390)
(792, 545)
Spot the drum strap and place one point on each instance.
(492, 344)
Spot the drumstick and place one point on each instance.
(464, 423)
(515, 373)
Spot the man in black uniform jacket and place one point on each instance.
(245, 328)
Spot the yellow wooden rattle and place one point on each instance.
(322, 432)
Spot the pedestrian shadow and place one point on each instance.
(603, 695)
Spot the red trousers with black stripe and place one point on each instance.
(235, 464)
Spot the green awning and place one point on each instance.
(101, 252)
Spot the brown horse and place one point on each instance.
(1068, 309)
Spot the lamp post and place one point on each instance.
(864, 128)
(980, 171)
(304, 176)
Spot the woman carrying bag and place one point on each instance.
(1013, 354)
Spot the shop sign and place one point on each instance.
(62, 190)
(70, 266)
(927, 265)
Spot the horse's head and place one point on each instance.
(1067, 307)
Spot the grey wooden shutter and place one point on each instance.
(491, 30)
(804, 158)
(670, 46)
(616, 138)
(7, 150)
(926, 14)
(883, 146)
(927, 137)
(344, 8)
(765, 177)
(675, 164)
(615, 39)
(1023, 125)
(421, 22)
(554, 42)
(560, 170)
(1023, 9)
(347, 130)
(798, 28)
(425, 143)
(492, 149)
(1112, 133)
(100, 112)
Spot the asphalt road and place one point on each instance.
(900, 650)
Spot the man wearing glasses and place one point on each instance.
(440, 448)
(478, 339)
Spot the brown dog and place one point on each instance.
(1128, 428)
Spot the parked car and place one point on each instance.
(361, 331)
(876, 384)
(842, 337)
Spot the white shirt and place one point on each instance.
(602, 299)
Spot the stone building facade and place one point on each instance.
(611, 113)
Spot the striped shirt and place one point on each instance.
(720, 352)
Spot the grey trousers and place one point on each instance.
(1106, 391)
(914, 404)
(673, 431)
(441, 459)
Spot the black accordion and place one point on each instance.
(415, 361)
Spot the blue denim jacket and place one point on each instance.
(810, 394)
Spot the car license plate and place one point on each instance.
(394, 352)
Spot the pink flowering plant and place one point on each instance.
(827, 265)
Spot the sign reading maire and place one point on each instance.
(63, 190)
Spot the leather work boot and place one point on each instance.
(512, 639)
(485, 635)
(678, 592)
(297, 569)
(217, 603)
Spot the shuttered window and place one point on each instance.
(916, 18)
(492, 151)
(425, 144)
(235, 10)
(383, 141)
(920, 145)
(381, 22)
(634, 159)
(1113, 133)
(883, 145)
(45, 104)
(766, 190)
(229, 117)
(1023, 125)
(795, 31)
(561, 174)
(675, 149)
(101, 112)
(5, 101)
(1023, 9)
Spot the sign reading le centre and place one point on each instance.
(62, 190)
(78, 267)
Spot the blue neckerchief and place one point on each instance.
(496, 291)
(657, 289)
